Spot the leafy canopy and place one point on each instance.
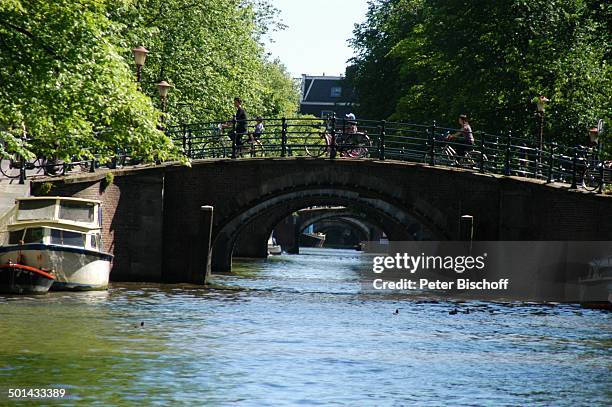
(421, 60)
(68, 77)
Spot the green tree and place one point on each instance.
(65, 80)
(69, 79)
(211, 52)
(375, 71)
(490, 59)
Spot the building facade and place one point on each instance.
(324, 95)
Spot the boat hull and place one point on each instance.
(275, 250)
(19, 279)
(312, 240)
(74, 268)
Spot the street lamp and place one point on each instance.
(593, 137)
(140, 55)
(164, 88)
(541, 105)
(595, 132)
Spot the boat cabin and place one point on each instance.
(56, 221)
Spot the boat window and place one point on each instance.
(15, 237)
(34, 235)
(36, 209)
(66, 238)
(77, 211)
(93, 241)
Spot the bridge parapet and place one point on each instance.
(504, 154)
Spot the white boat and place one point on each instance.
(273, 248)
(60, 236)
(596, 287)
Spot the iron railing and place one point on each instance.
(503, 153)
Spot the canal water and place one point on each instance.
(298, 330)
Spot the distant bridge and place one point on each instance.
(288, 232)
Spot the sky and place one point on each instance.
(315, 41)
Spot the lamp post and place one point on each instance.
(140, 55)
(164, 88)
(541, 105)
(593, 137)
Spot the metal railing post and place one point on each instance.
(332, 151)
(234, 137)
(184, 134)
(482, 152)
(189, 143)
(508, 153)
(283, 137)
(602, 173)
(381, 140)
(432, 145)
(538, 164)
(574, 180)
(551, 163)
(92, 165)
(22, 170)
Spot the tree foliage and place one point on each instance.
(441, 58)
(68, 77)
(211, 52)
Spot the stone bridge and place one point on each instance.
(289, 230)
(152, 214)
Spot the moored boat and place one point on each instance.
(61, 236)
(21, 279)
(273, 248)
(596, 287)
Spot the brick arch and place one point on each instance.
(357, 226)
(356, 218)
(393, 218)
(317, 215)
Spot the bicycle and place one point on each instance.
(11, 168)
(219, 145)
(591, 170)
(354, 145)
(448, 155)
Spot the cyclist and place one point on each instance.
(464, 137)
(254, 138)
(352, 124)
(259, 129)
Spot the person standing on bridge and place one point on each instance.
(464, 137)
(240, 119)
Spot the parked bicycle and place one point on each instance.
(219, 145)
(590, 169)
(355, 145)
(11, 168)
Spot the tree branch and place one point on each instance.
(30, 36)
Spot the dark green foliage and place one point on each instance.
(421, 60)
(68, 76)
